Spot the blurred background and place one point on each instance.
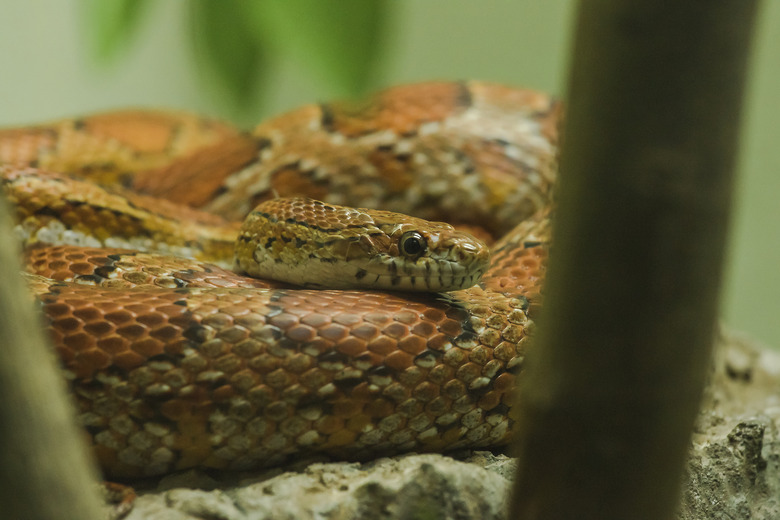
(244, 61)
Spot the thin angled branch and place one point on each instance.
(44, 465)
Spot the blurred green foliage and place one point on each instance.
(237, 43)
(230, 49)
(112, 25)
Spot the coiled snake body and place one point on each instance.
(177, 363)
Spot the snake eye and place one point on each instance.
(412, 244)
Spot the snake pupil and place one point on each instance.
(412, 243)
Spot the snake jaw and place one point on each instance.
(313, 244)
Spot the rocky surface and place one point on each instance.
(733, 470)
(734, 464)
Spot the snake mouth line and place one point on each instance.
(425, 274)
(325, 273)
(417, 283)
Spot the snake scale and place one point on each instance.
(175, 361)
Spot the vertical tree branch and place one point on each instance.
(44, 470)
(613, 384)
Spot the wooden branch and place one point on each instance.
(44, 469)
(613, 384)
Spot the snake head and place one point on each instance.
(314, 244)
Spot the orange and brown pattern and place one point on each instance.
(177, 363)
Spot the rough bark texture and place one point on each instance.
(632, 293)
(733, 469)
(44, 468)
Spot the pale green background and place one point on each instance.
(46, 72)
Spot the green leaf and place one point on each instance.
(111, 24)
(338, 39)
(228, 48)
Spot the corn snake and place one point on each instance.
(176, 363)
